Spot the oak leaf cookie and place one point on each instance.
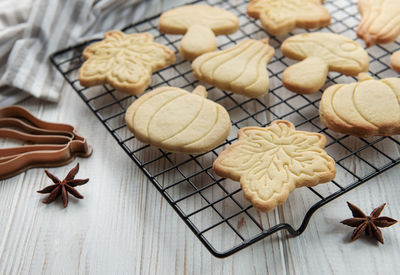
(199, 24)
(178, 121)
(395, 61)
(320, 53)
(279, 17)
(125, 61)
(380, 21)
(241, 69)
(367, 108)
(271, 162)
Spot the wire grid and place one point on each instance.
(214, 207)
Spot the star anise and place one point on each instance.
(63, 187)
(368, 224)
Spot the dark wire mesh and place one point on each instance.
(213, 207)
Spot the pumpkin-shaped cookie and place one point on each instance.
(178, 121)
(367, 108)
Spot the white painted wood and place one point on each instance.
(124, 226)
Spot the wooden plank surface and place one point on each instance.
(124, 226)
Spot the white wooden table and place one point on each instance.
(124, 226)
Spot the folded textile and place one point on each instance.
(30, 31)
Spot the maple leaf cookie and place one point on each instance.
(320, 53)
(368, 107)
(125, 61)
(380, 21)
(178, 121)
(241, 69)
(271, 162)
(279, 17)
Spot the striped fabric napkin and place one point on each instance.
(31, 30)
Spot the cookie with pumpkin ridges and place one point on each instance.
(241, 69)
(368, 107)
(177, 121)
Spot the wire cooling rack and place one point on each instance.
(213, 207)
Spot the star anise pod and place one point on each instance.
(63, 187)
(368, 224)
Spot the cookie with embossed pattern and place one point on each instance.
(125, 61)
(279, 17)
(271, 162)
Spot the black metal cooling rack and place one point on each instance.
(213, 207)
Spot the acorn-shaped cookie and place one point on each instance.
(367, 108)
(178, 121)
(320, 53)
(241, 69)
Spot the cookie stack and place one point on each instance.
(269, 162)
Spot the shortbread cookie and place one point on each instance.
(241, 69)
(321, 52)
(125, 61)
(366, 108)
(271, 162)
(178, 121)
(380, 21)
(279, 17)
(395, 61)
(199, 24)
